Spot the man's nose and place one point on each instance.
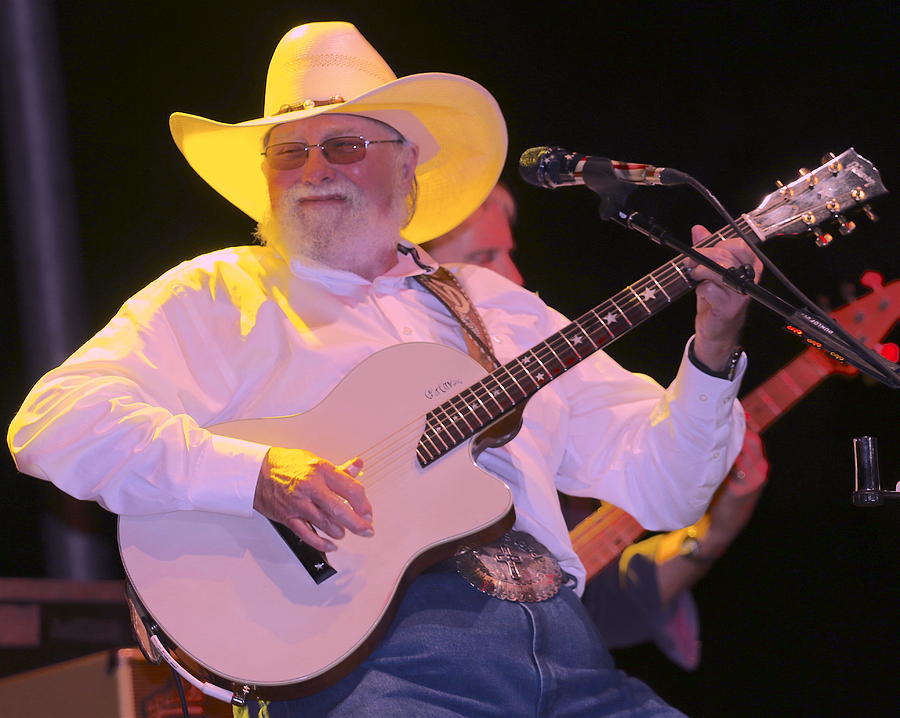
(316, 169)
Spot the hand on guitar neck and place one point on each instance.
(720, 310)
(305, 492)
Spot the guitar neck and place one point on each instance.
(602, 536)
(765, 404)
(467, 413)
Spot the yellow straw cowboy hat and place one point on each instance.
(326, 67)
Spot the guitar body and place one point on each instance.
(233, 597)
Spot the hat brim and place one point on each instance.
(456, 123)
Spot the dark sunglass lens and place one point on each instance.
(287, 156)
(344, 150)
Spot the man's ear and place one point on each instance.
(410, 161)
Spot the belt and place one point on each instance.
(516, 567)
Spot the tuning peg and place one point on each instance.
(786, 192)
(834, 167)
(823, 239)
(845, 226)
(869, 213)
(811, 178)
(873, 280)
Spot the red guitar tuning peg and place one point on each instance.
(873, 280)
(889, 351)
(823, 239)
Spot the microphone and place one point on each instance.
(553, 167)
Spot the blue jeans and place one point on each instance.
(453, 651)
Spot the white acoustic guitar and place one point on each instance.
(239, 605)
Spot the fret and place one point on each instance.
(572, 342)
(444, 429)
(423, 460)
(460, 414)
(538, 358)
(612, 317)
(522, 362)
(677, 266)
(430, 437)
(588, 335)
(791, 385)
(620, 314)
(556, 356)
(602, 323)
(483, 385)
(772, 405)
(661, 288)
(503, 389)
(514, 380)
(478, 399)
(638, 297)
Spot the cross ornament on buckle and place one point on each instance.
(517, 567)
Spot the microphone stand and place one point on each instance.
(867, 491)
(819, 329)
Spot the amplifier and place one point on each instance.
(109, 684)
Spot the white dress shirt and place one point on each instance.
(240, 333)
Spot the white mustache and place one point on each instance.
(336, 189)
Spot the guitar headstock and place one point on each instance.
(822, 195)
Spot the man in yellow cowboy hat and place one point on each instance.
(161, 417)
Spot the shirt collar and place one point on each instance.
(340, 281)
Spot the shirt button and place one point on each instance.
(703, 397)
(716, 454)
(407, 331)
(497, 338)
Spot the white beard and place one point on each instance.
(356, 234)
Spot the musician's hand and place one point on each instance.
(298, 488)
(736, 498)
(720, 310)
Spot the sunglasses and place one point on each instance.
(337, 150)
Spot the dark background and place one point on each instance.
(800, 617)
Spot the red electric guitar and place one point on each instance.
(603, 535)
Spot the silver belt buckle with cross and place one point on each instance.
(517, 567)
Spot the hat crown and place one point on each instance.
(321, 60)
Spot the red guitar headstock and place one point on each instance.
(871, 317)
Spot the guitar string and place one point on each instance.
(558, 341)
(562, 359)
(590, 322)
(665, 274)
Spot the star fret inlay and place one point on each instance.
(610, 317)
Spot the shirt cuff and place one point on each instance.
(727, 373)
(225, 475)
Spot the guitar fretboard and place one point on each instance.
(508, 386)
(777, 394)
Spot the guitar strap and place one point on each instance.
(515, 567)
(444, 285)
